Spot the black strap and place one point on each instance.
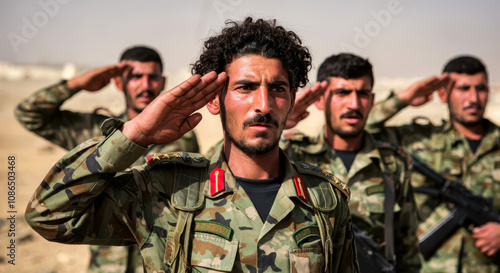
(389, 219)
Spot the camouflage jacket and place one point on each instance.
(445, 150)
(87, 197)
(41, 114)
(366, 184)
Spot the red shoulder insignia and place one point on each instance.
(300, 187)
(216, 181)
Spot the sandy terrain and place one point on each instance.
(34, 157)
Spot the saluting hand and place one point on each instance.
(302, 101)
(97, 78)
(420, 92)
(170, 115)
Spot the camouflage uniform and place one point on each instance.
(366, 183)
(88, 198)
(445, 150)
(41, 114)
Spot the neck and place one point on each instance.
(345, 144)
(131, 113)
(252, 166)
(474, 132)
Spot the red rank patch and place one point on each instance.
(150, 160)
(300, 187)
(216, 181)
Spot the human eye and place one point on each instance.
(463, 87)
(481, 87)
(342, 92)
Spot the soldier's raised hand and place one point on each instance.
(170, 115)
(302, 101)
(420, 92)
(97, 78)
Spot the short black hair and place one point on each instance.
(258, 37)
(346, 66)
(141, 54)
(465, 64)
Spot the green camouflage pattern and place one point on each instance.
(367, 189)
(446, 151)
(41, 114)
(89, 197)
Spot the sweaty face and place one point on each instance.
(256, 103)
(347, 103)
(141, 84)
(468, 97)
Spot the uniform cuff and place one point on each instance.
(393, 102)
(120, 152)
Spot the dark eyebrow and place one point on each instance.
(350, 90)
(246, 82)
(278, 83)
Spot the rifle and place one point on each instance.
(469, 210)
(369, 259)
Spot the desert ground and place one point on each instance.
(35, 156)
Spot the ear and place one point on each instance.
(320, 102)
(443, 94)
(293, 95)
(118, 82)
(213, 106)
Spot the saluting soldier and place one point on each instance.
(139, 77)
(465, 148)
(248, 209)
(378, 173)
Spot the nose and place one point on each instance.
(262, 100)
(145, 82)
(353, 100)
(473, 94)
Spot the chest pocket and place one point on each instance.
(213, 252)
(306, 260)
(368, 198)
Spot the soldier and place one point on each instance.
(139, 77)
(247, 210)
(367, 166)
(463, 148)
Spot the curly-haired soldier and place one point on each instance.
(248, 209)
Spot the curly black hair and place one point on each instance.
(261, 37)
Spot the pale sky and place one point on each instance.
(402, 38)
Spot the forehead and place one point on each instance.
(256, 67)
(144, 67)
(466, 79)
(361, 83)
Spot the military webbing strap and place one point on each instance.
(389, 202)
(389, 218)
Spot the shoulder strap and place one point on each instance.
(187, 196)
(388, 167)
(323, 200)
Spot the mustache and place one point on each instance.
(259, 118)
(473, 106)
(149, 92)
(351, 113)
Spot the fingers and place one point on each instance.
(309, 95)
(207, 89)
(190, 122)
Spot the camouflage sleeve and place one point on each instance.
(344, 258)
(406, 223)
(41, 115)
(83, 197)
(382, 112)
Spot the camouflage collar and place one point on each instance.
(123, 116)
(218, 160)
(319, 145)
(490, 140)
